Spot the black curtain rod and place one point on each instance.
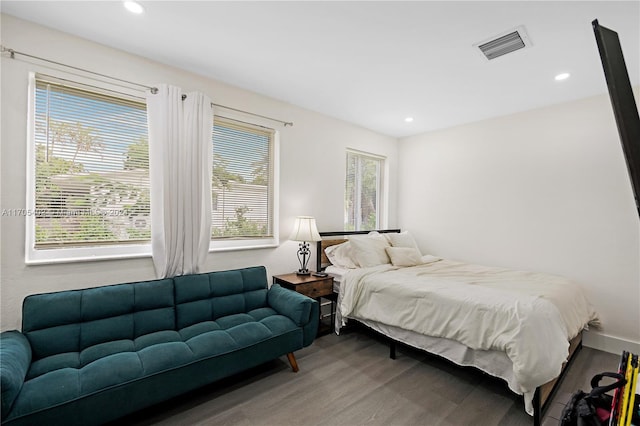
(153, 90)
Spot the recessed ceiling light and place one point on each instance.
(563, 76)
(134, 7)
(408, 119)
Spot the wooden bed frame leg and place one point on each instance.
(293, 362)
(392, 349)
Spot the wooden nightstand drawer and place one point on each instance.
(308, 285)
(316, 289)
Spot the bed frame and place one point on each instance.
(543, 394)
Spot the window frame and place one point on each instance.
(107, 251)
(381, 186)
(248, 243)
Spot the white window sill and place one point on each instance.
(93, 254)
(87, 254)
(242, 244)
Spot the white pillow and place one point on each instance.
(369, 250)
(340, 255)
(402, 239)
(404, 256)
(429, 258)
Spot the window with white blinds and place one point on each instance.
(91, 167)
(88, 190)
(363, 191)
(243, 181)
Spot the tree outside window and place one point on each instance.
(363, 191)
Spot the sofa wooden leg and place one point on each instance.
(292, 361)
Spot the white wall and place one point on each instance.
(543, 190)
(312, 165)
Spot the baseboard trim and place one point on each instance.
(611, 344)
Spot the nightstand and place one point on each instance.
(314, 287)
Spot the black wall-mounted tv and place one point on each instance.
(624, 104)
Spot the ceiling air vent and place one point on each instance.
(507, 42)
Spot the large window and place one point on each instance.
(88, 190)
(243, 183)
(363, 191)
(90, 170)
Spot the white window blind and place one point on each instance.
(363, 191)
(91, 167)
(243, 181)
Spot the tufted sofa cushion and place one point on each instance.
(206, 297)
(68, 322)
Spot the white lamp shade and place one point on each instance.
(304, 229)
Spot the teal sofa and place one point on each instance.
(92, 356)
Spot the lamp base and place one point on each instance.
(303, 252)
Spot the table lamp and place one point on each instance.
(304, 230)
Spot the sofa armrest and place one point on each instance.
(287, 302)
(15, 359)
(303, 311)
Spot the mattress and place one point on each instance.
(337, 273)
(490, 318)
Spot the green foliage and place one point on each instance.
(95, 228)
(361, 193)
(74, 213)
(220, 176)
(241, 226)
(137, 156)
(368, 194)
(78, 202)
(142, 206)
(42, 234)
(370, 222)
(260, 171)
(82, 138)
(53, 231)
(65, 229)
(49, 197)
(139, 234)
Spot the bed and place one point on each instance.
(523, 327)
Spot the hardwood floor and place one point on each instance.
(350, 380)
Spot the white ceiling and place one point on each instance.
(369, 63)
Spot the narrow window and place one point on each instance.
(363, 191)
(243, 182)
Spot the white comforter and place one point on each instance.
(530, 316)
